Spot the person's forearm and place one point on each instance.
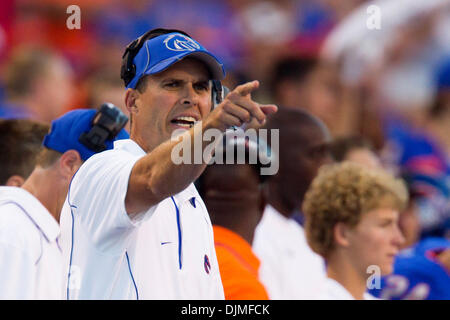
(159, 175)
(168, 177)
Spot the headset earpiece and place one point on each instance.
(218, 93)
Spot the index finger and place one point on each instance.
(247, 88)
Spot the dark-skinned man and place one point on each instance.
(289, 269)
(234, 197)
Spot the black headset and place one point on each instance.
(105, 125)
(128, 68)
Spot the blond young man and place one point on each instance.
(351, 217)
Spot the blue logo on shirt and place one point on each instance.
(207, 264)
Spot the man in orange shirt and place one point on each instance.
(234, 199)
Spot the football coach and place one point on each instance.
(134, 226)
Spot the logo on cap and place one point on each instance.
(179, 42)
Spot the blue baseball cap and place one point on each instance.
(66, 130)
(159, 53)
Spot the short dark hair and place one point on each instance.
(294, 69)
(141, 85)
(99, 80)
(25, 66)
(238, 158)
(292, 123)
(340, 147)
(19, 146)
(47, 157)
(438, 105)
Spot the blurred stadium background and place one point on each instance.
(389, 85)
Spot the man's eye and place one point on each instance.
(387, 223)
(318, 152)
(202, 87)
(172, 84)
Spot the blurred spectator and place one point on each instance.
(106, 86)
(421, 149)
(210, 22)
(420, 273)
(43, 23)
(21, 142)
(37, 85)
(305, 82)
(388, 69)
(31, 260)
(355, 149)
(290, 80)
(234, 198)
(409, 222)
(265, 27)
(351, 216)
(359, 49)
(404, 76)
(237, 30)
(289, 269)
(341, 9)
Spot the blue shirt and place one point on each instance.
(428, 166)
(13, 111)
(417, 274)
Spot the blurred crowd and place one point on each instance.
(383, 93)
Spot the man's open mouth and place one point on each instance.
(185, 122)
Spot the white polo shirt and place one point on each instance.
(30, 257)
(166, 253)
(333, 290)
(289, 268)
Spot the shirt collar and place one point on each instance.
(340, 292)
(276, 215)
(285, 229)
(130, 146)
(33, 208)
(337, 290)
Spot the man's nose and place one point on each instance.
(190, 95)
(398, 239)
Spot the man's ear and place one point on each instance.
(341, 234)
(131, 97)
(15, 181)
(69, 163)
